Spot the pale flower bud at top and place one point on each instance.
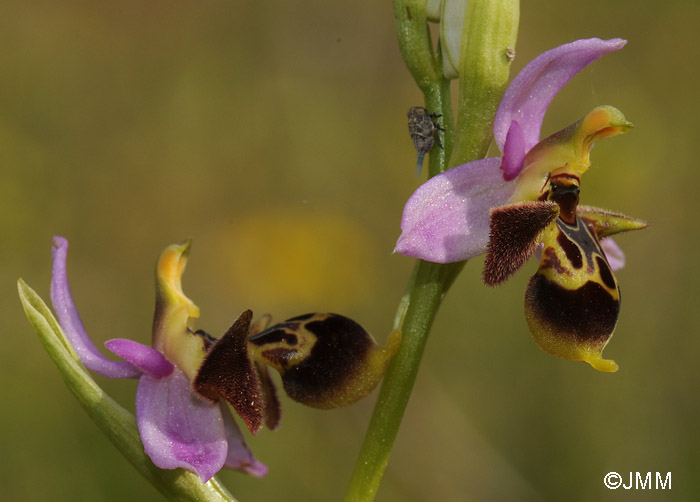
(452, 20)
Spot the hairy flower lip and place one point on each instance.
(447, 218)
(177, 427)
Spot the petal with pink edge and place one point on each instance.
(72, 325)
(447, 218)
(177, 428)
(613, 252)
(146, 358)
(239, 455)
(528, 96)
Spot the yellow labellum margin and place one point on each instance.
(572, 303)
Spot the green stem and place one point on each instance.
(438, 99)
(425, 66)
(490, 29)
(115, 422)
(430, 282)
(414, 40)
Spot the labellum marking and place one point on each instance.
(324, 360)
(573, 301)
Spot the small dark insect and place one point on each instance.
(424, 130)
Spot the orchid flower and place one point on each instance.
(187, 377)
(447, 218)
(528, 199)
(178, 427)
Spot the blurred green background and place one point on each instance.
(274, 134)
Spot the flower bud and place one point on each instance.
(452, 20)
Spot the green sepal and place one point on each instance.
(606, 223)
(452, 23)
(114, 421)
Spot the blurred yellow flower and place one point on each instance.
(297, 257)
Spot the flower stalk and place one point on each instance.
(490, 29)
(428, 286)
(425, 65)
